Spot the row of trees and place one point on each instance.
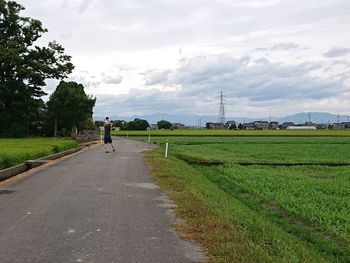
(136, 125)
(24, 67)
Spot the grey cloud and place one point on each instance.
(113, 80)
(150, 24)
(337, 52)
(249, 85)
(244, 78)
(280, 47)
(154, 77)
(142, 102)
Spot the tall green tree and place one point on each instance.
(163, 124)
(137, 125)
(69, 106)
(24, 67)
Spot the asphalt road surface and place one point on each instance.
(91, 207)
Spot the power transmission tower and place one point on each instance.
(222, 109)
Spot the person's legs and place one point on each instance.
(112, 144)
(106, 144)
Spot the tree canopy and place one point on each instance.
(69, 106)
(24, 67)
(137, 125)
(163, 124)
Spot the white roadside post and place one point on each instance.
(149, 137)
(166, 149)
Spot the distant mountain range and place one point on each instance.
(195, 120)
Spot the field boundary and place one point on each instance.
(216, 163)
(230, 133)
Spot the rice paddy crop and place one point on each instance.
(259, 149)
(260, 213)
(16, 151)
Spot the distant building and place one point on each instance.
(341, 125)
(261, 125)
(216, 126)
(309, 123)
(321, 126)
(301, 128)
(179, 126)
(338, 126)
(273, 125)
(153, 127)
(285, 125)
(249, 126)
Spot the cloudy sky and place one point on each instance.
(269, 57)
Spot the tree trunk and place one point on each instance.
(27, 129)
(55, 127)
(74, 132)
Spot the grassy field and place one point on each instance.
(16, 151)
(259, 213)
(228, 133)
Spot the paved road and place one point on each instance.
(92, 207)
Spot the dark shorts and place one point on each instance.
(108, 139)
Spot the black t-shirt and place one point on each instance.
(107, 130)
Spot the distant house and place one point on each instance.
(309, 123)
(341, 125)
(285, 125)
(273, 125)
(178, 126)
(216, 126)
(321, 126)
(249, 126)
(301, 128)
(261, 125)
(153, 127)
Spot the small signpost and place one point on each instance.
(166, 149)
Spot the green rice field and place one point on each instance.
(259, 213)
(16, 151)
(259, 149)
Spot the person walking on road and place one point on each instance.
(107, 135)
